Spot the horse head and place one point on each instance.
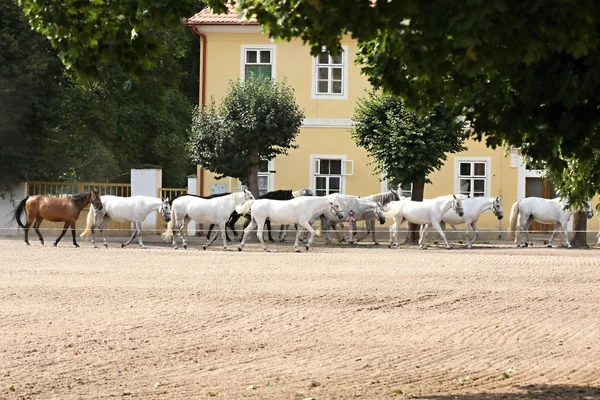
(95, 199)
(497, 208)
(457, 205)
(248, 195)
(165, 209)
(335, 208)
(395, 195)
(379, 214)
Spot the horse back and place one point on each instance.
(52, 208)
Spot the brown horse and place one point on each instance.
(66, 209)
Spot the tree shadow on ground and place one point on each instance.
(530, 392)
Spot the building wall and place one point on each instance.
(327, 124)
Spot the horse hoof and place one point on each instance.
(143, 247)
(185, 246)
(204, 247)
(27, 243)
(297, 251)
(435, 242)
(281, 240)
(549, 245)
(54, 244)
(239, 249)
(95, 246)
(76, 246)
(307, 247)
(449, 248)
(375, 243)
(106, 245)
(460, 242)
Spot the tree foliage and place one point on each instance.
(91, 33)
(257, 119)
(56, 127)
(405, 146)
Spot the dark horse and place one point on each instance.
(235, 216)
(67, 209)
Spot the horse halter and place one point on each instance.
(334, 211)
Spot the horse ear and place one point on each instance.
(454, 196)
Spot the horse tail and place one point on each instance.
(17, 212)
(88, 224)
(244, 208)
(169, 232)
(514, 214)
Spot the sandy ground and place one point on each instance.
(334, 323)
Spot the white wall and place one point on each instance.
(146, 182)
(8, 202)
(192, 186)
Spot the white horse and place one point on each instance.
(125, 209)
(363, 209)
(216, 211)
(473, 207)
(382, 199)
(546, 211)
(296, 211)
(425, 213)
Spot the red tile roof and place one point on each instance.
(207, 17)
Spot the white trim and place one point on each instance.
(522, 174)
(327, 122)
(311, 176)
(270, 167)
(271, 47)
(345, 67)
(230, 28)
(488, 172)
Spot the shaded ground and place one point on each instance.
(334, 323)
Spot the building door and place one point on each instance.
(538, 187)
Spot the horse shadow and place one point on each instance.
(528, 392)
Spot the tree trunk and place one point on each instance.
(418, 189)
(253, 173)
(580, 228)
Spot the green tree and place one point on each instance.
(30, 81)
(405, 146)
(257, 119)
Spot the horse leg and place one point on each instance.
(372, 226)
(73, 233)
(27, 225)
(65, 227)
(247, 231)
(259, 233)
(269, 231)
(443, 225)
(423, 236)
(566, 234)
(36, 227)
(554, 232)
(224, 235)
(298, 235)
(102, 226)
(437, 226)
(209, 242)
(310, 229)
(140, 242)
(183, 230)
(232, 221)
(282, 232)
(526, 232)
(474, 226)
(392, 230)
(133, 235)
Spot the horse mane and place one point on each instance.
(80, 198)
(278, 195)
(381, 198)
(212, 196)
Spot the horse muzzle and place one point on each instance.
(500, 217)
(460, 213)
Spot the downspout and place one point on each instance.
(202, 87)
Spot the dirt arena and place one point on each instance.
(334, 323)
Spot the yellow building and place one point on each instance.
(327, 89)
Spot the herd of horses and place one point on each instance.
(286, 207)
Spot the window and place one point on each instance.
(473, 177)
(329, 175)
(330, 78)
(264, 176)
(258, 60)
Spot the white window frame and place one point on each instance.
(258, 47)
(270, 174)
(488, 172)
(346, 166)
(341, 96)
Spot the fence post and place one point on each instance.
(146, 182)
(192, 186)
